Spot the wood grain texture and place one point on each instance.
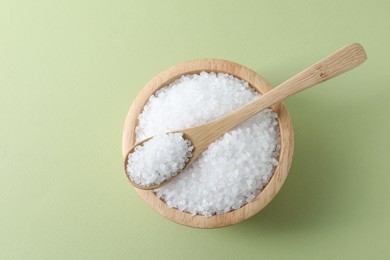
(280, 172)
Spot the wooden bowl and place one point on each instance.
(280, 172)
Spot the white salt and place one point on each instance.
(236, 167)
(158, 159)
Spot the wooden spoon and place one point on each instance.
(202, 136)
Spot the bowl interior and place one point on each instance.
(286, 141)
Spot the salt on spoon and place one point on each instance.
(202, 136)
(158, 159)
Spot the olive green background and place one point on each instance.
(69, 71)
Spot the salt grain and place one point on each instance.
(237, 166)
(158, 159)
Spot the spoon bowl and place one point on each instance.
(155, 186)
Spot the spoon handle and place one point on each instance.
(337, 63)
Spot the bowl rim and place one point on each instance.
(257, 82)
